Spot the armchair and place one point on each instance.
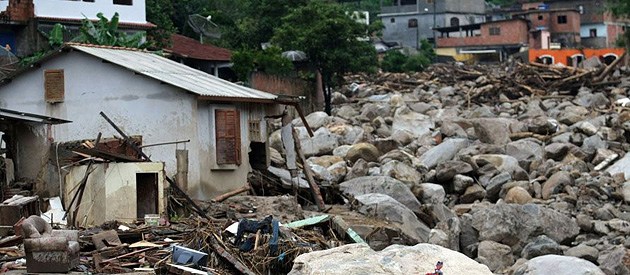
(49, 250)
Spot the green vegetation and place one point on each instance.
(160, 13)
(330, 38)
(398, 62)
(105, 32)
(269, 61)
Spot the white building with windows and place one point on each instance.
(147, 95)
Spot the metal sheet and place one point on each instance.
(173, 73)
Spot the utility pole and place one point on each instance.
(434, 27)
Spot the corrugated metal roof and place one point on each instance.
(173, 73)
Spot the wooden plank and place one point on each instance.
(317, 195)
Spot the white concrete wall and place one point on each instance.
(585, 30)
(111, 192)
(135, 13)
(140, 106)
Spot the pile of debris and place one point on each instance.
(503, 163)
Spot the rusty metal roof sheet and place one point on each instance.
(173, 73)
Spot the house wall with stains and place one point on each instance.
(138, 104)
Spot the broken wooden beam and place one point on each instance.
(227, 195)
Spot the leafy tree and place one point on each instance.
(270, 61)
(105, 32)
(159, 12)
(393, 62)
(330, 38)
(243, 63)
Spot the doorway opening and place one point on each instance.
(147, 194)
(258, 155)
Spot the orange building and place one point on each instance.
(572, 57)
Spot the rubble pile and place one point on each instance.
(506, 164)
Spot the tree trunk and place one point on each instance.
(327, 95)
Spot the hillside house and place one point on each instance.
(147, 95)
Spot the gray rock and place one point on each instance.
(525, 151)
(429, 193)
(514, 224)
(518, 195)
(341, 151)
(612, 261)
(461, 182)
(408, 120)
(539, 246)
(359, 169)
(402, 172)
(621, 166)
(346, 112)
(558, 265)
(585, 252)
(494, 185)
(338, 98)
(385, 207)
(446, 171)
(473, 193)
(322, 143)
(492, 131)
(395, 259)
(383, 185)
(556, 183)
(556, 151)
(495, 255)
(592, 143)
(402, 137)
(286, 179)
(451, 129)
(502, 163)
(385, 145)
(315, 120)
(365, 151)
(443, 152)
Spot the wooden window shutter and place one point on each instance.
(54, 86)
(228, 136)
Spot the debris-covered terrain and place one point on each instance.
(502, 163)
(512, 169)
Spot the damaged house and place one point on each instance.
(150, 97)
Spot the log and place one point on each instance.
(227, 195)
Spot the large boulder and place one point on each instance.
(315, 120)
(495, 255)
(322, 143)
(514, 224)
(383, 185)
(384, 207)
(395, 259)
(443, 152)
(558, 265)
(492, 130)
(365, 151)
(410, 121)
(402, 172)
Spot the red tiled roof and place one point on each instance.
(145, 26)
(191, 48)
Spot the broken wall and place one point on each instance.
(111, 191)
